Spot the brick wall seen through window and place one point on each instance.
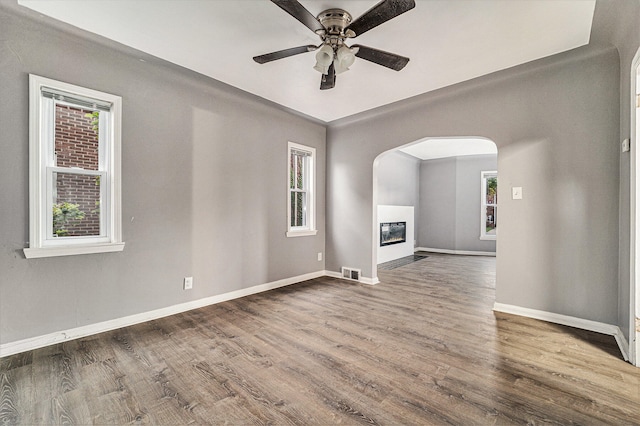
(77, 196)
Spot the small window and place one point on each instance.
(301, 197)
(74, 171)
(489, 206)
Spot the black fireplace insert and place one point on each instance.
(393, 233)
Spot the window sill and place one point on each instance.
(34, 253)
(488, 237)
(304, 233)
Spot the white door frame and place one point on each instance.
(634, 294)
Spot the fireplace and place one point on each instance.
(393, 233)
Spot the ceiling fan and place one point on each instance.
(335, 26)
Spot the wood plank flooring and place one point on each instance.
(421, 347)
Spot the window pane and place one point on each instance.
(301, 209)
(299, 172)
(76, 137)
(298, 209)
(491, 220)
(292, 171)
(76, 205)
(293, 208)
(297, 218)
(492, 190)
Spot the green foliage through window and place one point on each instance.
(63, 215)
(492, 189)
(95, 120)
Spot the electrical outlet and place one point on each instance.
(319, 256)
(188, 283)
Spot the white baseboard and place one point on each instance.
(370, 281)
(462, 252)
(622, 343)
(363, 280)
(333, 274)
(11, 348)
(598, 327)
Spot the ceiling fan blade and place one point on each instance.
(379, 14)
(328, 80)
(268, 57)
(295, 9)
(380, 57)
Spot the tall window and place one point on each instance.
(489, 208)
(74, 170)
(301, 199)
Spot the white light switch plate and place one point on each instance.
(516, 192)
(188, 283)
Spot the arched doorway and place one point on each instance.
(449, 207)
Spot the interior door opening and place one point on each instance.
(433, 189)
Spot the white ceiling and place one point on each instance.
(447, 41)
(431, 149)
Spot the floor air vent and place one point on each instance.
(351, 274)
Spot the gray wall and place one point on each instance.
(204, 187)
(449, 213)
(618, 22)
(556, 124)
(398, 178)
(437, 212)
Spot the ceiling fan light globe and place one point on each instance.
(339, 68)
(324, 56)
(344, 59)
(346, 56)
(323, 69)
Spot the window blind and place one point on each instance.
(300, 153)
(82, 101)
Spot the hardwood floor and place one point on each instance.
(421, 347)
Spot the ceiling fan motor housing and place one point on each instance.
(335, 21)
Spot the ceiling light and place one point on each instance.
(344, 59)
(324, 58)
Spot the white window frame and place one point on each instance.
(310, 178)
(483, 205)
(42, 167)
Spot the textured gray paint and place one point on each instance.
(618, 22)
(450, 203)
(204, 187)
(556, 124)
